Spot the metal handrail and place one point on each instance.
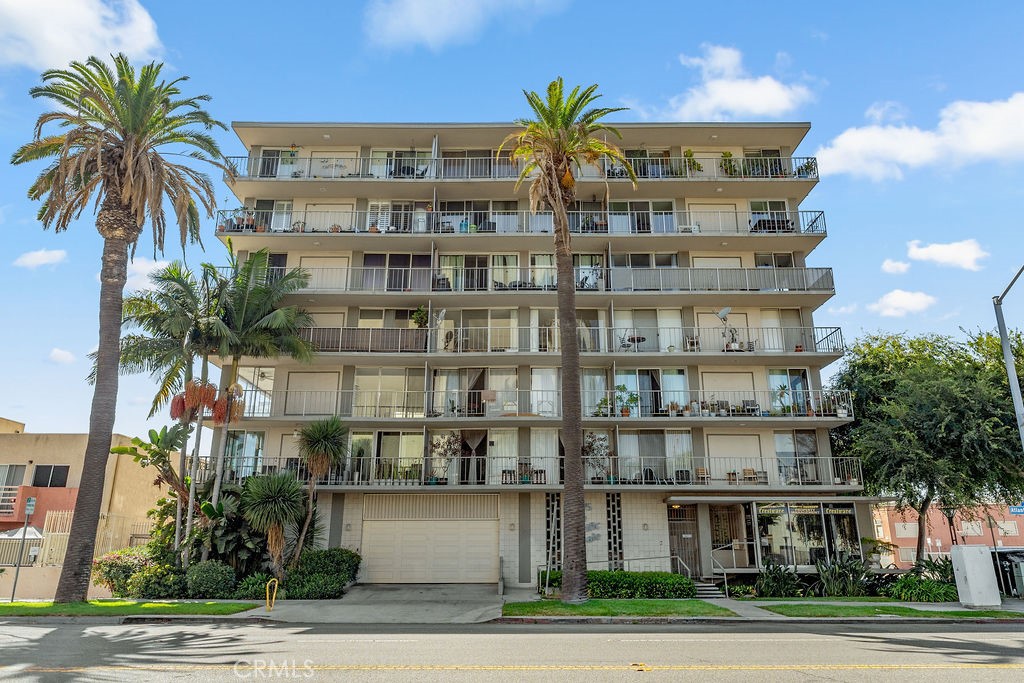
(519, 222)
(417, 166)
(725, 577)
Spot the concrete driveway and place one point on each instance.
(394, 604)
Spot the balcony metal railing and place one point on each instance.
(588, 278)
(781, 470)
(546, 339)
(415, 166)
(545, 403)
(523, 222)
(8, 499)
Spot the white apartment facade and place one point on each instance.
(433, 293)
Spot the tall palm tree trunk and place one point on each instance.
(574, 566)
(73, 585)
(181, 465)
(310, 506)
(193, 471)
(220, 441)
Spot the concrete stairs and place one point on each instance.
(708, 591)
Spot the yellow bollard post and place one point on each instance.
(271, 597)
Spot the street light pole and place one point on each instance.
(1011, 368)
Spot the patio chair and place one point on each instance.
(751, 407)
(750, 475)
(702, 476)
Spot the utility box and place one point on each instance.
(975, 576)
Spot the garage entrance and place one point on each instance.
(430, 538)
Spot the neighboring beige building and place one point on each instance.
(48, 467)
(695, 299)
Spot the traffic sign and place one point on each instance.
(30, 505)
(1017, 509)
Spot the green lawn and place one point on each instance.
(616, 608)
(119, 608)
(795, 610)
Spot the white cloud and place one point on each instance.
(41, 257)
(899, 303)
(42, 34)
(964, 254)
(61, 356)
(967, 132)
(139, 270)
(895, 267)
(888, 110)
(728, 91)
(400, 24)
(842, 310)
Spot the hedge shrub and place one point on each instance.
(211, 579)
(316, 586)
(157, 582)
(340, 562)
(254, 587)
(631, 585)
(115, 568)
(778, 581)
(914, 588)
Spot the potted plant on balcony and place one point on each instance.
(626, 400)
(595, 457)
(444, 448)
(602, 408)
(728, 165)
(808, 169)
(299, 226)
(692, 165)
(673, 408)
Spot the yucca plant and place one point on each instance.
(269, 503)
(323, 444)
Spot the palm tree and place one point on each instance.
(322, 445)
(114, 128)
(261, 327)
(177, 320)
(270, 502)
(555, 144)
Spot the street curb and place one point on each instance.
(754, 620)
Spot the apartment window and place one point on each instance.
(908, 554)
(972, 528)
(774, 260)
(243, 456)
(906, 529)
(796, 454)
(1007, 528)
(12, 475)
(52, 476)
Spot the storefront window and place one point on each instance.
(808, 533)
(841, 531)
(773, 532)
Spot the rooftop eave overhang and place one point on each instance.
(654, 135)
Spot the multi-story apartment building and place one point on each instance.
(433, 291)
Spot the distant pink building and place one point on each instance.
(993, 526)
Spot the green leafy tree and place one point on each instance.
(114, 129)
(323, 444)
(260, 325)
(271, 502)
(934, 422)
(173, 324)
(565, 134)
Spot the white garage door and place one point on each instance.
(424, 538)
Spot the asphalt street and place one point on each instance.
(490, 652)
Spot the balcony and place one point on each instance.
(429, 170)
(511, 279)
(707, 341)
(682, 407)
(482, 223)
(714, 473)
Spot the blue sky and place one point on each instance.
(917, 114)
